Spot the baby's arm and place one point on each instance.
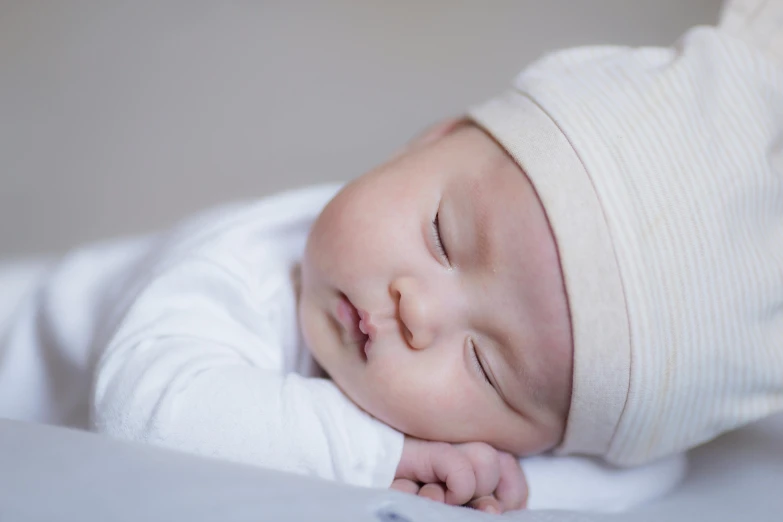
(192, 367)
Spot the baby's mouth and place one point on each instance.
(356, 324)
(365, 325)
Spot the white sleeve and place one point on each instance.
(192, 368)
(588, 484)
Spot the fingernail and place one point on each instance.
(492, 510)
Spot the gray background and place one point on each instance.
(120, 117)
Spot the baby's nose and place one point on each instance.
(418, 312)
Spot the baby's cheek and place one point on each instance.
(418, 407)
(388, 396)
(310, 325)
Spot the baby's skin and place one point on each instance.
(432, 295)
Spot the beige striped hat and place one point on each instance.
(661, 173)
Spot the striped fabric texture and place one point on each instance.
(661, 172)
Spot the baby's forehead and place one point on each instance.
(495, 193)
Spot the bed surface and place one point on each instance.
(57, 474)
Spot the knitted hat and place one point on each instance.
(661, 174)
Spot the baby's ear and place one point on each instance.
(433, 133)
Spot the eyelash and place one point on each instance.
(477, 361)
(437, 237)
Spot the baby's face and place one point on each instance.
(433, 297)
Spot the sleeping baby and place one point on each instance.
(589, 264)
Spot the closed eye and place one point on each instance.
(438, 239)
(477, 362)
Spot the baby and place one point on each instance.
(591, 263)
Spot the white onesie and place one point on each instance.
(189, 339)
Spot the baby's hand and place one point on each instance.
(473, 474)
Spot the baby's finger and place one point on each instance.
(512, 491)
(455, 471)
(434, 492)
(440, 462)
(405, 485)
(487, 504)
(486, 466)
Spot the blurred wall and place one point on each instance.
(119, 117)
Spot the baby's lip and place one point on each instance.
(365, 324)
(351, 319)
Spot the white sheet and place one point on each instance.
(54, 474)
